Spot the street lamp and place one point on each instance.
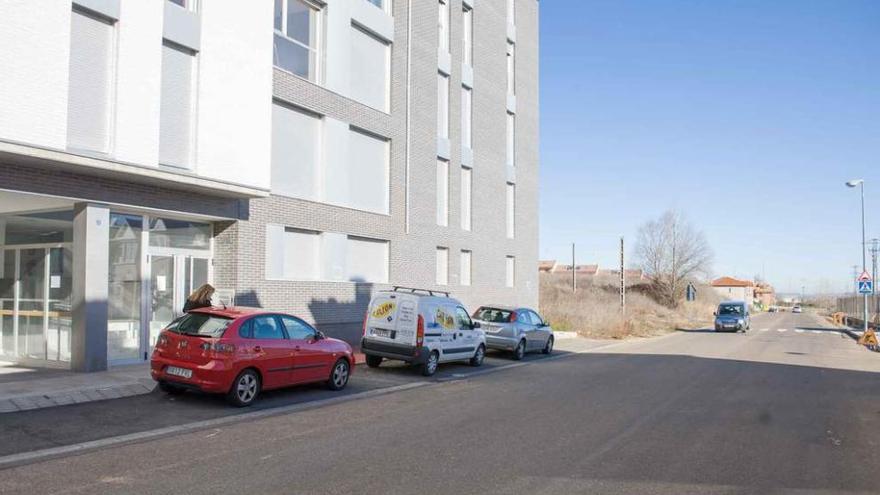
(861, 184)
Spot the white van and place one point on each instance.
(420, 327)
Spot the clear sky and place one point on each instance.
(746, 115)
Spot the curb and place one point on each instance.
(76, 396)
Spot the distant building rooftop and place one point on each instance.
(731, 282)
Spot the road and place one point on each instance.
(790, 407)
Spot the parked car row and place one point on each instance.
(426, 328)
(240, 352)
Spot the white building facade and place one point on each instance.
(296, 154)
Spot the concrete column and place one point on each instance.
(91, 245)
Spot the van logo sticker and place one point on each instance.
(444, 319)
(384, 310)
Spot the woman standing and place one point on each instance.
(200, 298)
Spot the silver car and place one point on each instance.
(517, 330)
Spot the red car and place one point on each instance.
(242, 351)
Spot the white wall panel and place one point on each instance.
(235, 92)
(139, 79)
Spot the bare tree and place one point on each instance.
(672, 252)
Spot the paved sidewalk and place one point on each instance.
(23, 388)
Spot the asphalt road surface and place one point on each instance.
(789, 407)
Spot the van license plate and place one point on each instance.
(174, 370)
(381, 332)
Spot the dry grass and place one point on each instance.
(594, 311)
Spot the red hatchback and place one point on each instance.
(241, 351)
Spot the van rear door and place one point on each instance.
(391, 318)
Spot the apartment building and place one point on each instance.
(297, 154)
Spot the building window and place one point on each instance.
(442, 266)
(510, 271)
(465, 267)
(124, 287)
(90, 93)
(511, 68)
(296, 153)
(466, 198)
(442, 193)
(467, 36)
(466, 117)
(443, 25)
(370, 69)
(442, 105)
(511, 12)
(511, 139)
(511, 210)
(296, 255)
(177, 106)
(378, 3)
(187, 4)
(298, 32)
(367, 260)
(367, 174)
(299, 254)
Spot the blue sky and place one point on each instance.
(748, 116)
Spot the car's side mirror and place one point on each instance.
(475, 325)
(714, 313)
(319, 335)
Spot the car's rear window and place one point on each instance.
(200, 324)
(493, 315)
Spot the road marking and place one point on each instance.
(799, 330)
(765, 329)
(780, 330)
(817, 331)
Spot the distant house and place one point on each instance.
(765, 294)
(733, 289)
(586, 270)
(547, 266)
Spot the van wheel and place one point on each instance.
(520, 351)
(171, 389)
(339, 375)
(549, 347)
(374, 361)
(244, 389)
(429, 367)
(477, 360)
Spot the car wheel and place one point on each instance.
(171, 389)
(549, 347)
(244, 389)
(520, 350)
(374, 361)
(339, 375)
(477, 360)
(429, 367)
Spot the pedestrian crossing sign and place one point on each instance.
(866, 286)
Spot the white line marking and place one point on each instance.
(817, 331)
(765, 329)
(780, 330)
(799, 330)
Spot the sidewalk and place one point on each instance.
(23, 388)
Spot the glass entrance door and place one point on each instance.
(173, 277)
(35, 318)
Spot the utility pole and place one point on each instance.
(622, 280)
(574, 283)
(875, 250)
